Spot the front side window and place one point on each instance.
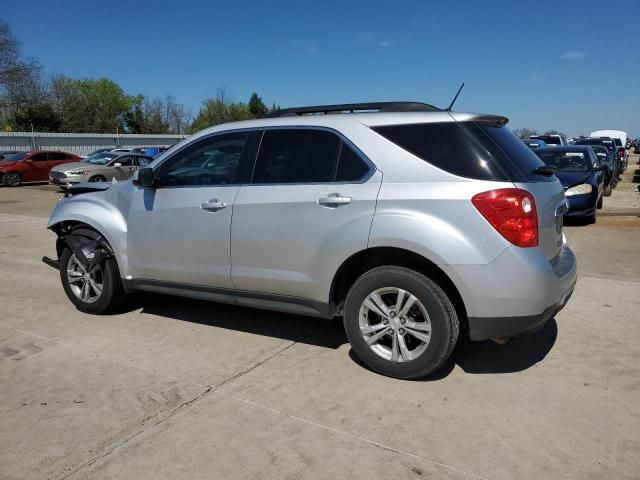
(210, 161)
(144, 161)
(123, 161)
(297, 156)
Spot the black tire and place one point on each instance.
(12, 179)
(112, 292)
(98, 178)
(600, 203)
(445, 326)
(608, 189)
(591, 219)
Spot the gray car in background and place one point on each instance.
(414, 224)
(100, 167)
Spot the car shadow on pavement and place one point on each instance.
(472, 357)
(298, 328)
(490, 358)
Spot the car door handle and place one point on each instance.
(334, 200)
(213, 205)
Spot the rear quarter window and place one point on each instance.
(447, 146)
(468, 149)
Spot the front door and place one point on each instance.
(37, 169)
(179, 231)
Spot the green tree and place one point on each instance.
(88, 105)
(39, 116)
(257, 107)
(523, 133)
(214, 111)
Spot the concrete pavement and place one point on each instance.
(172, 388)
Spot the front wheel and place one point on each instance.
(95, 289)
(399, 322)
(11, 179)
(97, 178)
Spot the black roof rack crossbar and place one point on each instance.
(356, 107)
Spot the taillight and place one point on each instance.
(620, 153)
(512, 212)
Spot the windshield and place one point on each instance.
(99, 158)
(17, 156)
(565, 161)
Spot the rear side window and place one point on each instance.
(39, 157)
(468, 149)
(508, 149)
(447, 146)
(296, 156)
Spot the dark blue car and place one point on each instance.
(582, 176)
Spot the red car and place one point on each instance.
(32, 166)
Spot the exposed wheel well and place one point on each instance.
(365, 260)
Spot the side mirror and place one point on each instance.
(146, 178)
(117, 164)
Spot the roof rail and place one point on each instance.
(356, 107)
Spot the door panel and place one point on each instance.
(37, 170)
(179, 232)
(284, 242)
(171, 238)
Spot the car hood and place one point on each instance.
(65, 167)
(569, 179)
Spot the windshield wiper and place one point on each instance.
(545, 170)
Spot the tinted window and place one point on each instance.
(506, 146)
(123, 161)
(211, 161)
(618, 142)
(58, 156)
(17, 156)
(39, 157)
(296, 156)
(144, 161)
(447, 146)
(351, 167)
(548, 139)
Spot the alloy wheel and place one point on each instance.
(395, 324)
(85, 283)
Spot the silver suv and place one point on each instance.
(414, 224)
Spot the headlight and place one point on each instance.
(578, 190)
(77, 172)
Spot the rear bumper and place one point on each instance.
(517, 292)
(487, 328)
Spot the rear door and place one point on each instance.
(309, 206)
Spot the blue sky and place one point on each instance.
(567, 65)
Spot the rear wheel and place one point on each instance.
(11, 179)
(608, 189)
(399, 322)
(96, 289)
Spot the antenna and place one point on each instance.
(448, 109)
